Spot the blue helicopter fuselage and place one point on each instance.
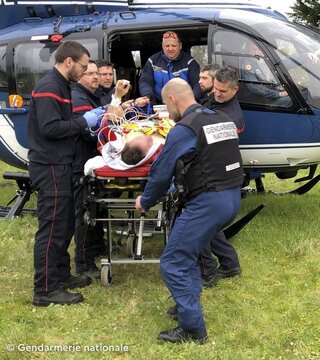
(279, 135)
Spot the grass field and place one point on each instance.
(272, 311)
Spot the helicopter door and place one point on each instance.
(269, 104)
(3, 76)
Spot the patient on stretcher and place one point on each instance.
(129, 145)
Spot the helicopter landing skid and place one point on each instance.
(234, 228)
(302, 189)
(298, 191)
(21, 197)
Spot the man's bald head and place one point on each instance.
(178, 87)
(178, 96)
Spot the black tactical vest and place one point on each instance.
(217, 164)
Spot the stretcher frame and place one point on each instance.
(97, 187)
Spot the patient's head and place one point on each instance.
(136, 149)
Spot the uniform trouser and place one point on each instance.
(222, 250)
(203, 217)
(89, 240)
(56, 224)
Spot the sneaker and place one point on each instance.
(58, 296)
(172, 312)
(178, 335)
(224, 272)
(75, 282)
(93, 273)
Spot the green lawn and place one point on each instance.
(272, 311)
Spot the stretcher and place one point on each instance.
(114, 191)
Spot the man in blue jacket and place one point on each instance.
(167, 64)
(208, 142)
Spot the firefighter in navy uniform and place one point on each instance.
(209, 141)
(89, 241)
(51, 137)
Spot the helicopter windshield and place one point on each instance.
(297, 46)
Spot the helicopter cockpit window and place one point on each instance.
(297, 48)
(304, 68)
(3, 72)
(33, 60)
(258, 84)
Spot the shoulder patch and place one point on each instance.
(157, 68)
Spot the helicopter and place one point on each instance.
(279, 137)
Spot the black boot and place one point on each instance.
(93, 272)
(75, 282)
(58, 296)
(211, 280)
(172, 312)
(224, 272)
(178, 335)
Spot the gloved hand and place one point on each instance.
(92, 116)
(99, 111)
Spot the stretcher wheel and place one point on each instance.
(106, 278)
(131, 242)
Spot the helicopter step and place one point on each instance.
(20, 198)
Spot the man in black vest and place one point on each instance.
(208, 142)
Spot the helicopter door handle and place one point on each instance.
(13, 111)
(302, 111)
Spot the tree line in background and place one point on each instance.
(307, 11)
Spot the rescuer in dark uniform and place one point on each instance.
(89, 240)
(51, 136)
(226, 81)
(208, 142)
(220, 92)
